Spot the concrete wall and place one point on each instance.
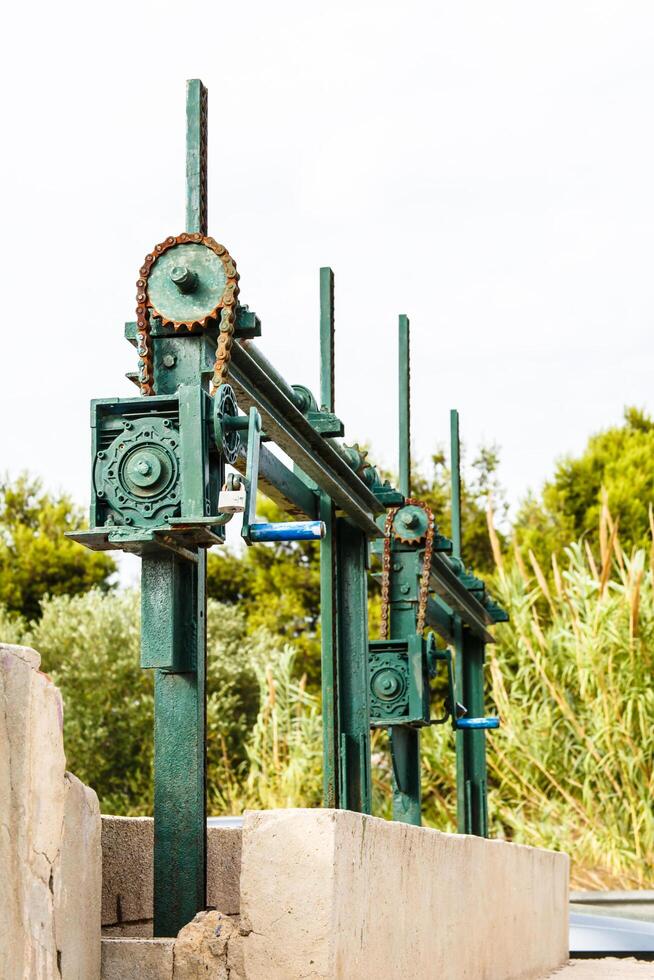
(328, 893)
(333, 894)
(50, 858)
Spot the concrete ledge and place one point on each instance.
(145, 959)
(329, 893)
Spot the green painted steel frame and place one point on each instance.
(323, 484)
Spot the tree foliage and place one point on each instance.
(276, 587)
(616, 467)
(480, 486)
(90, 645)
(35, 557)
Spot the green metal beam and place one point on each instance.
(327, 368)
(405, 406)
(179, 746)
(405, 754)
(280, 484)
(474, 815)
(291, 431)
(455, 471)
(469, 645)
(329, 658)
(180, 818)
(329, 612)
(353, 670)
(196, 156)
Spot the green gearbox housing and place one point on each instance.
(400, 671)
(152, 459)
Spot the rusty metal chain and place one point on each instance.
(423, 594)
(226, 306)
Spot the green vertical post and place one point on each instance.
(355, 790)
(404, 379)
(405, 741)
(469, 649)
(455, 471)
(455, 512)
(474, 742)
(174, 603)
(196, 156)
(328, 549)
(327, 373)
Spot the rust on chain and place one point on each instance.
(423, 594)
(225, 311)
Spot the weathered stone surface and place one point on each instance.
(137, 959)
(30, 656)
(328, 893)
(127, 846)
(209, 947)
(49, 827)
(224, 869)
(77, 883)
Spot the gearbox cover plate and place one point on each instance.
(137, 476)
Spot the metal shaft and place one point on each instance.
(469, 650)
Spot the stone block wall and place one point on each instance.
(50, 856)
(127, 849)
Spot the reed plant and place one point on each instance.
(571, 678)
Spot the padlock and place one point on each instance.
(232, 501)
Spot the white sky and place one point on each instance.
(485, 167)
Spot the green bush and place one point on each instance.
(89, 645)
(36, 559)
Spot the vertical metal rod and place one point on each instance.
(196, 156)
(474, 742)
(328, 589)
(404, 363)
(405, 741)
(327, 373)
(455, 512)
(329, 656)
(469, 649)
(455, 471)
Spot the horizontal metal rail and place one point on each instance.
(280, 484)
(291, 431)
(445, 583)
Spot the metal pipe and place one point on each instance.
(274, 375)
(289, 531)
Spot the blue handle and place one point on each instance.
(477, 723)
(291, 531)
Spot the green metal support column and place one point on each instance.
(344, 622)
(404, 387)
(469, 650)
(353, 673)
(405, 740)
(328, 607)
(180, 824)
(474, 742)
(173, 606)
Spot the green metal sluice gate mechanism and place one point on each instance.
(209, 398)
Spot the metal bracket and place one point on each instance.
(252, 532)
